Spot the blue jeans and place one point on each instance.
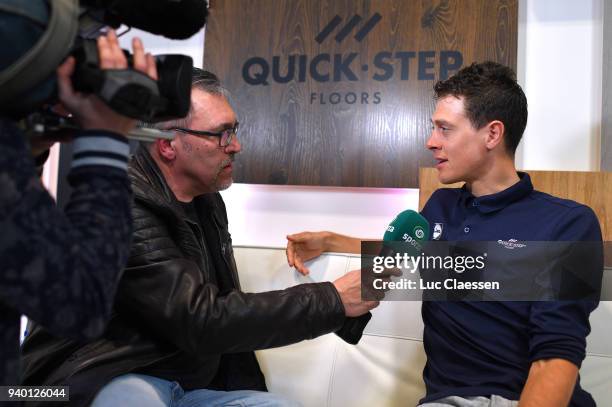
(456, 401)
(137, 390)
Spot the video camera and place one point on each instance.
(69, 27)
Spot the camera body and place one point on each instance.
(131, 92)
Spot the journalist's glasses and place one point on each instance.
(225, 137)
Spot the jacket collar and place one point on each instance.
(499, 200)
(149, 182)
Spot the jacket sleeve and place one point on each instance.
(559, 328)
(61, 268)
(165, 292)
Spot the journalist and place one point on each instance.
(182, 331)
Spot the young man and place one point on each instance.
(490, 353)
(183, 333)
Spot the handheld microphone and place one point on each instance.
(404, 237)
(408, 226)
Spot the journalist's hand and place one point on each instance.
(88, 110)
(349, 288)
(304, 246)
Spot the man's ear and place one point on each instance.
(166, 149)
(495, 134)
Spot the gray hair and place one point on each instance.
(200, 79)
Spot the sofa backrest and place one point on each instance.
(385, 368)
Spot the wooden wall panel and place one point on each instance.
(292, 133)
(593, 189)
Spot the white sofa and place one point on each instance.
(385, 368)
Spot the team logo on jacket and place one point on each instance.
(511, 244)
(437, 231)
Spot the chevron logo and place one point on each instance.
(348, 28)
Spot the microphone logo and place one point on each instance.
(419, 232)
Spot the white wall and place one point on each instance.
(560, 54)
(559, 66)
(263, 215)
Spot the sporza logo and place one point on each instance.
(511, 244)
(437, 231)
(422, 65)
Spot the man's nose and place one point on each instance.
(432, 143)
(234, 147)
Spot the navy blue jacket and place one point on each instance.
(484, 348)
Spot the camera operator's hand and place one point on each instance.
(88, 110)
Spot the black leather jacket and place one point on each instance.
(170, 315)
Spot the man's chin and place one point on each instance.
(446, 178)
(222, 186)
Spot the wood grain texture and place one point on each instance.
(593, 189)
(288, 139)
